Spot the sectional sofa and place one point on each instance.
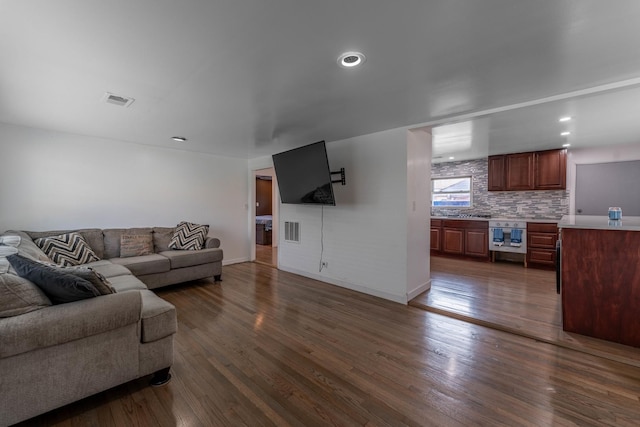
(53, 355)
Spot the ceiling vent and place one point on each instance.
(122, 101)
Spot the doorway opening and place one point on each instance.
(266, 218)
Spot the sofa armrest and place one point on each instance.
(67, 322)
(212, 242)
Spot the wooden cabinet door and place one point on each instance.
(519, 175)
(476, 243)
(551, 170)
(453, 241)
(497, 174)
(435, 239)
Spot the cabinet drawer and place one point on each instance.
(542, 240)
(436, 223)
(542, 256)
(542, 227)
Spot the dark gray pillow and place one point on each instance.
(58, 286)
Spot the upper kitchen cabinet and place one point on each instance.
(540, 170)
(496, 173)
(519, 169)
(551, 169)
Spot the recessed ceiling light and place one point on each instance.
(565, 134)
(566, 145)
(351, 59)
(564, 119)
(179, 138)
(451, 158)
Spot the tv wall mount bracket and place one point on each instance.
(342, 180)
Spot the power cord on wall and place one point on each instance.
(321, 266)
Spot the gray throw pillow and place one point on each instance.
(89, 274)
(60, 287)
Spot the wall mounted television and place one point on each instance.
(304, 177)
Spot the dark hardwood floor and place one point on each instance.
(269, 348)
(511, 298)
(267, 254)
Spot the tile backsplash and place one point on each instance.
(549, 204)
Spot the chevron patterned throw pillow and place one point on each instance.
(67, 249)
(189, 236)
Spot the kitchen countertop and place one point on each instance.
(502, 219)
(600, 222)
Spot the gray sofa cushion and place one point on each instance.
(109, 269)
(93, 236)
(180, 259)
(127, 283)
(59, 286)
(112, 239)
(20, 296)
(158, 317)
(27, 247)
(145, 264)
(161, 238)
(68, 322)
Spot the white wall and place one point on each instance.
(52, 180)
(365, 234)
(605, 154)
(418, 209)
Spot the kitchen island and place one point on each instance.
(600, 270)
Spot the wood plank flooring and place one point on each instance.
(269, 348)
(267, 254)
(511, 298)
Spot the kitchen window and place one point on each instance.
(451, 192)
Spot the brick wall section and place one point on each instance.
(550, 204)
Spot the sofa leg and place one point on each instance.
(217, 278)
(161, 377)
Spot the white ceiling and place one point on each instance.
(247, 78)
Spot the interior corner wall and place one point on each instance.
(418, 210)
(53, 180)
(364, 237)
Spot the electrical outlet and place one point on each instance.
(325, 264)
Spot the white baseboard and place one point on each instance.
(417, 291)
(402, 299)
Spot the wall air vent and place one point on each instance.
(292, 232)
(114, 99)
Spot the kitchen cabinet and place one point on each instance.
(600, 285)
(496, 174)
(460, 238)
(541, 244)
(519, 172)
(551, 170)
(476, 243)
(540, 170)
(453, 240)
(436, 233)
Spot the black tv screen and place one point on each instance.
(303, 175)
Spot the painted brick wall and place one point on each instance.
(551, 204)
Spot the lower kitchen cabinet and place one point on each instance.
(476, 243)
(453, 240)
(460, 238)
(541, 244)
(436, 233)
